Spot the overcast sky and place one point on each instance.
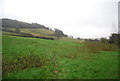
(80, 18)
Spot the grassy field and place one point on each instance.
(34, 31)
(33, 58)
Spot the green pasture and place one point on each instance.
(34, 58)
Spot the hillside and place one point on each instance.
(9, 23)
(34, 29)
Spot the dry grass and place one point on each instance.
(35, 31)
(98, 46)
(71, 39)
(38, 31)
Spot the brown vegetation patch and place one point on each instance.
(86, 57)
(72, 56)
(76, 56)
(80, 49)
(97, 47)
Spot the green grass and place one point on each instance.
(33, 58)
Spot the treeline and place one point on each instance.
(58, 33)
(9, 23)
(113, 39)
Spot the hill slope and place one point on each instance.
(34, 29)
(9, 23)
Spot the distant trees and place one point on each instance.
(9, 23)
(91, 40)
(78, 38)
(114, 39)
(58, 33)
(104, 40)
(35, 25)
